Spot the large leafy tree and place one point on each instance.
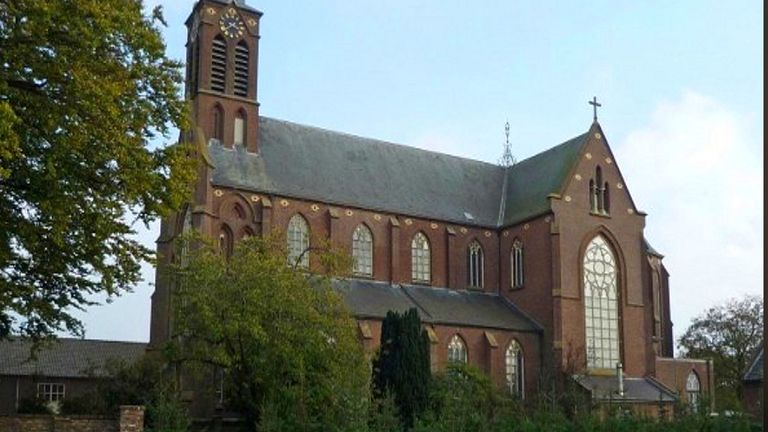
(85, 89)
(403, 365)
(284, 340)
(729, 334)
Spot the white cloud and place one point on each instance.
(697, 171)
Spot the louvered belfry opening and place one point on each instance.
(219, 64)
(241, 69)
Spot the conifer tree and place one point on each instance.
(402, 367)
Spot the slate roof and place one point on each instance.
(317, 164)
(66, 358)
(531, 180)
(372, 299)
(605, 388)
(755, 371)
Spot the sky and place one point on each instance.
(681, 87)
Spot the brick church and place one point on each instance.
(525, 270)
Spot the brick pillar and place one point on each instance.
(394, 249)
(131, 418)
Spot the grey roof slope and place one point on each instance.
(635, 389)
(371, 299)
(531, 180)
(755, 371)
(66, 358)
(316, 164)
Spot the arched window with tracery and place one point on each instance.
(420, 259)
(514, 368)
(457, 350)
(298, 241)
(601, 305)
(517, 264)
(475, 269)
(362, 251)
(219, 64)
(693, 391)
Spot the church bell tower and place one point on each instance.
(222, 72)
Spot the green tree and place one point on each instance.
(729, 334)
(85, 85)
(403, 365)
(288, 344)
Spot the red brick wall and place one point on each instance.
(673, 373)
(39, 423)
(753, 399)
(575, 226)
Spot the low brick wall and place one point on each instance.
(131, 420)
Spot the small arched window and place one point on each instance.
(514, 368)
(218, 123)
(241, 69)
(219, 64)
(225, 241)
(457, 350)
(599, 198)
(517, 264)
(475, 265)
(420, 259)
(240, 127)
(693, 391)
(362, 251)
(298, 241)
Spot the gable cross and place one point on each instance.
(595, 105)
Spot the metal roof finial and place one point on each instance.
(507, 160)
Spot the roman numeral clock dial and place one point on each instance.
(231, 25)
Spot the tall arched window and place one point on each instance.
(218, 123)
(516, 258)
(599, 198)
(420, 259)
(298, 241)
(514, 368)
(693, 391)
(186, 228)
(475, 268)
(241, 69)
(225, 241)
(601, 305)
(457, 350)
(219, 64)
(240, 127)
(362, 251)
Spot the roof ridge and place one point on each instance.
(380, 141)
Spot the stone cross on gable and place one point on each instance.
(595, 105)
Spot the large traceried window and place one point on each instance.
(514, 368)
(298, 241)
(457, 350)
(693, 390)
(475, 274)
(362, 251)
(517, 264)
(420, 259)
(601, 305)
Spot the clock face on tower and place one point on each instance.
(231, 25)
